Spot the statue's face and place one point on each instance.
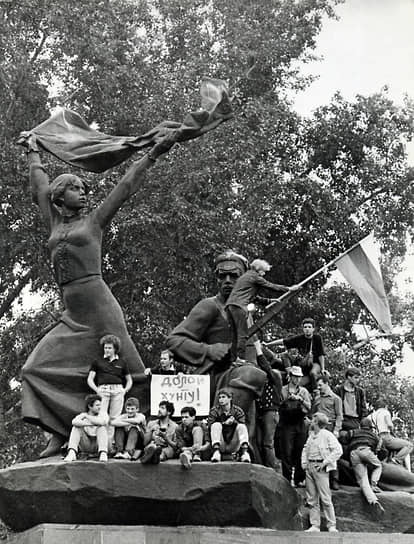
(226, 280)
(74, 197)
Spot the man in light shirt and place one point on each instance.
(382, 422)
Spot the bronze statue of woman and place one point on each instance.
(54, 376)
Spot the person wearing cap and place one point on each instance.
(354, 404)
(203, 340)
(292, 432)
(244, 292)
(228, 430)
(363, 445)
(129, 431)
(319, 456)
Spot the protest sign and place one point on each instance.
(182, 390)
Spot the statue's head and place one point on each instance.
(69, 190)
(229, 266)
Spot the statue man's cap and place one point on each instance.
(230, 261)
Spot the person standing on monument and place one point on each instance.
(54, 375)
(328, 403)
(89, 431)
(228, 431)
(320, 454)
(311, 348)
(354, 404)
(244, 292)
(292, 432)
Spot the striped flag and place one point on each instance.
(360, 267)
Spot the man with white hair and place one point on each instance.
(244, 292)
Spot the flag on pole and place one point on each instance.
(360, 267)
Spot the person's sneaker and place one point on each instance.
(136, 455)
(185, 460)
(313, 529)
(118, 455)
(375, 488)
(71, 456)
(216, 457)
(125, 455)
(245, 457)
(332, 529)
(103, 456)
(196, 458)
(148, 454)
(157, 457)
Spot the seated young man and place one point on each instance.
(89, 431)
(190, 438)
(159, 439)
(228, 431)
(129, 431)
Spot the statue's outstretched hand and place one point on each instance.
(28, 140)
(163, 146)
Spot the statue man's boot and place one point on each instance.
(54, 446)
(269, 457)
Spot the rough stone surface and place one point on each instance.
(354, 514)
(127, 493)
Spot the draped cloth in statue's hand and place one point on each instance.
(67, 136)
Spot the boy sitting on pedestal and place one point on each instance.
(190, 438)
(129, 431)
(89, 431)
(228, 431)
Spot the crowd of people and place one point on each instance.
(303, 421)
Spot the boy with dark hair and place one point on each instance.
(190, 438)
(311, 349)
(159, 439)
(89, 431)
(228, 431)
(129, 431)
(245, 291)
(354, 404)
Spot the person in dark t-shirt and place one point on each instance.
(310, 346)
(111, 379)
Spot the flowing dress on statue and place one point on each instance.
(54, 376)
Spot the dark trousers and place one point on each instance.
(238, 324)
(129, 440)
(349, 423)
(292, 438)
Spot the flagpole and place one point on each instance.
(325, 266)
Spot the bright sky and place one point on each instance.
(370, 46)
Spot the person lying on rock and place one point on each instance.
(228, 431)
(89, 431)
(243, 293)
(319, 456)
(191, 438)
(159, 440)
(363, 445)
(129, 431)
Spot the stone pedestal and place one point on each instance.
(129, 493)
